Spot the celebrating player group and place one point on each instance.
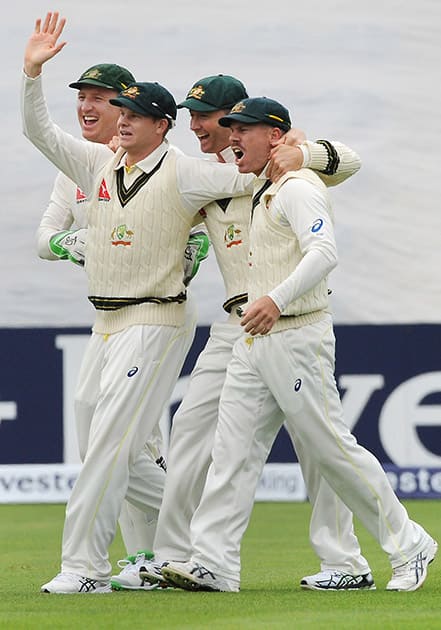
(138, 217)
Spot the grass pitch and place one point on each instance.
(275, 556)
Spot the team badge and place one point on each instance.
(93, 73)
(232, 236)
(131, 92)
(121, 235)
(239, 107)
(196, 92)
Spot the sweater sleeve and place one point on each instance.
(202, 181)
(60, 214)
(304, 207)
(333, 161)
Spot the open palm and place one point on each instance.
(43, 44)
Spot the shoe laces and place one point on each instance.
(126, 562)
(131, 562)
(140, 560)
(412, 566)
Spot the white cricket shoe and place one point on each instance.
(129, 578)
(192, 576)
(338, 581)
(67, 583)
(411, 575)
(150, 571)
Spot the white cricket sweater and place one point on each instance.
(227, 222)
(136, 237)
(275, 253)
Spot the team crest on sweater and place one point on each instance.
(232, 236)
(121, 235)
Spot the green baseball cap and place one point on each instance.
(106, 75)
(147, 99)
(258, 110)
(210, 94)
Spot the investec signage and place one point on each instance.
(389, 376)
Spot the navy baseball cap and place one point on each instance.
(213, 93)
(258, 110)
(148, 99)
(106, 75)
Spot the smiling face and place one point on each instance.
(139, 135)
(212, 137)
(251, 144)
(97, 117)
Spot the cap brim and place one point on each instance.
(123, 101)
(226, 121)
(79, 84)
(198, 106)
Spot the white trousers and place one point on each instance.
(292, 372)
(137, 523)
(137, 527)
(189, 456)
(125, 381)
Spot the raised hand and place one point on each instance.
(113, 143)
(283, 158)
(294, 137)
(43, 43)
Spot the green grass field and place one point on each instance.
(275, 555)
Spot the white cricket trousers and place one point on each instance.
(189, 456)
(191, 441)
(125, 381)
(137, 524)
(292, 371)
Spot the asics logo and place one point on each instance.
(200, 572)
(317, 225)
(87, 585)
(418, 566)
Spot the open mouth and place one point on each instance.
(238, 153)
(89, 120)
